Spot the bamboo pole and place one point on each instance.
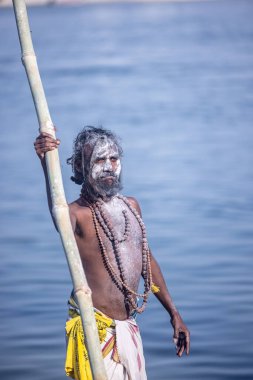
(60, 207)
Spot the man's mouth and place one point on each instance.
(108, 176)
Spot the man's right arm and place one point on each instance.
(44, 143)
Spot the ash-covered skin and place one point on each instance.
(130, 249)
(105, 168)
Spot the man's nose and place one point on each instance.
(108, 165)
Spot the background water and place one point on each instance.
(175, 81)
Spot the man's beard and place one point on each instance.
(99, 188)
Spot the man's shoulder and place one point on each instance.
(76, 207)
(134, 203)
(132, 200)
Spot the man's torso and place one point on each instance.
(106, 296)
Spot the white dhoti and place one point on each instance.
(131, 365)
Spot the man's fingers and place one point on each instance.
(41, 149)
(181, 349)
(42, 134)
(187, 344)
(43, 137)
(46, 144)
(178, 347)
(182, 343)
(46, 139)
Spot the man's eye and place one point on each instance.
(114, 159)
(100, 160)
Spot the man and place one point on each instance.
(112, 242)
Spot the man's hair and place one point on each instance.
(83, 146)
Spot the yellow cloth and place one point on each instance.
(155, 288)
(77, 363)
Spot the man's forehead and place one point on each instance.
(104, 146)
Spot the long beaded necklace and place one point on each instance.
(100, 218)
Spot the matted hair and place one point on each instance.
(83, 146)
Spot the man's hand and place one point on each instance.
(181, 335)
(44, 143)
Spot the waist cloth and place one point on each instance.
(121, 347)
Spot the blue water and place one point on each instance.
(175, 81)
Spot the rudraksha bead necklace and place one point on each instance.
(100, 218)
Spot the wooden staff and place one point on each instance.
(59, 205)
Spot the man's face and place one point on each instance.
(105, 168)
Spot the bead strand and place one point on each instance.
(107, 227)
(107, 260)
(147, 274)
(100, 218)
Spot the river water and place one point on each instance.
(175, 81)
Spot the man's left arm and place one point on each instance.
(181, 333)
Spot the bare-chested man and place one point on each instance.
(112, 242)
